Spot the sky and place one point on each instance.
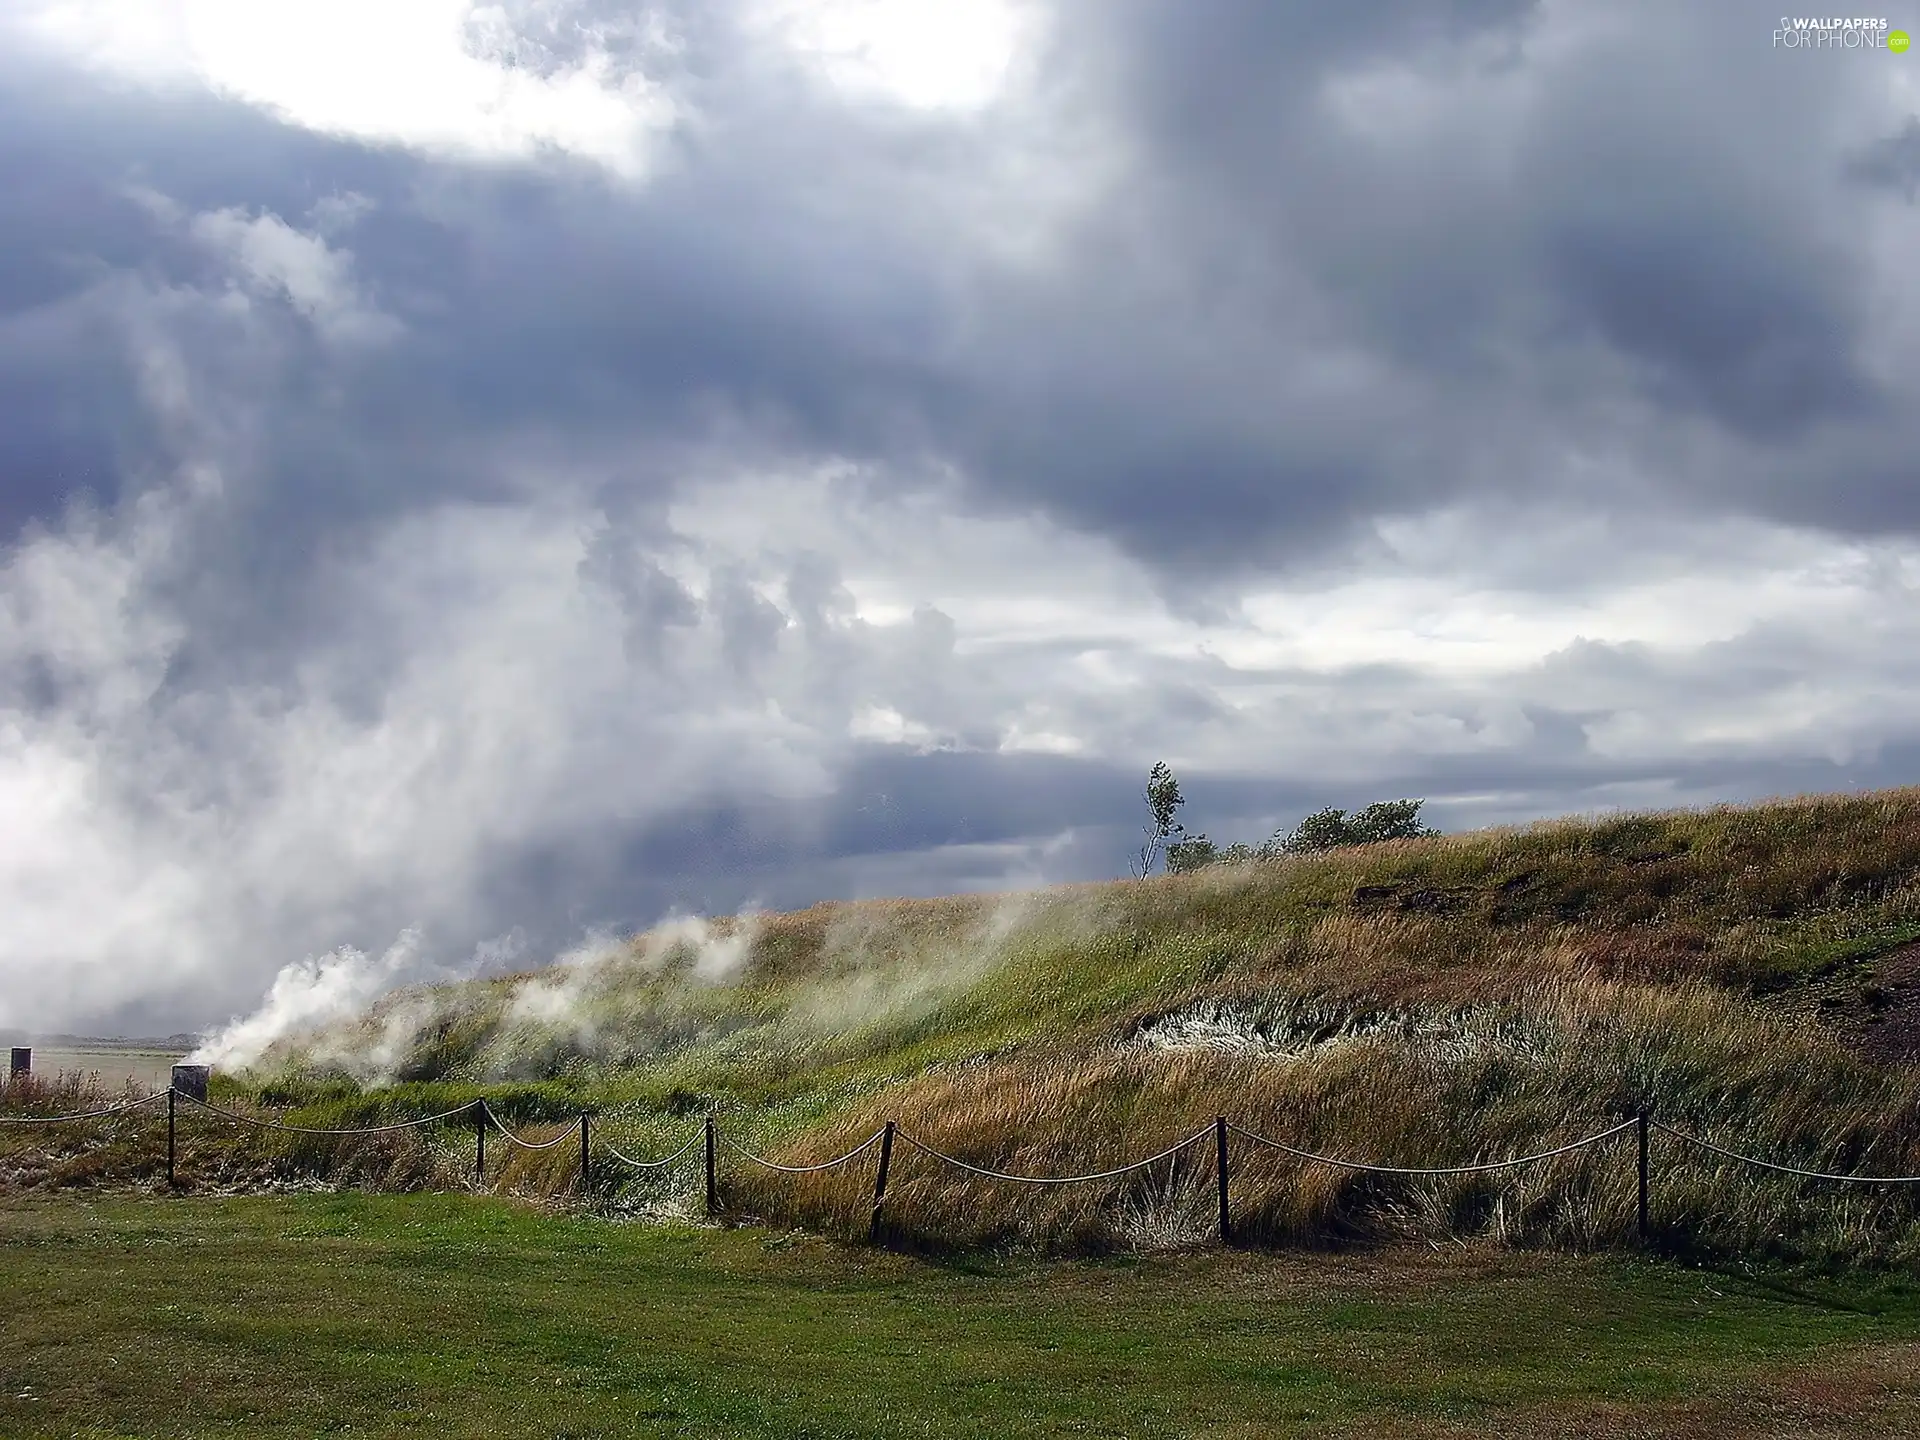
(474, 476)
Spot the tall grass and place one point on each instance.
(1412, 1086)
(1420, 1002)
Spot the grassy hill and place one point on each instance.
(1753, 974)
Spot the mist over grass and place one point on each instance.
(1423, 1002)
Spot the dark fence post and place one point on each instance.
(880, 1181)
(713, 1184)
(480, 1143)
(171, 1093)
(1220, 1175)
(1641, 1127)
(585, 1164)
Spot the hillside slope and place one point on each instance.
(1749, 973)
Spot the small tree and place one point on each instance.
(1163, 832)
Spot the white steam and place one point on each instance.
(331, 1005)
(862, 983)
(323, 994)
(555, 1000)
(558, 996)
(613, 997)
(310, 995)
(717, 954)
(560, 1006)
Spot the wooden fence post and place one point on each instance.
(880, 1182)
(171, 1093)
(1641, 1127)
(1220, 1175)
(480, 1144)
(713, 1183)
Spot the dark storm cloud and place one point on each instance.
(1622, 256)
(1609, 258)
(73, 155)
(1706, 248)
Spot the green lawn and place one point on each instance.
(447, 1315)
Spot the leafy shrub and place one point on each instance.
(1329, 829)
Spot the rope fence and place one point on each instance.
(692, 1140)
(1477, 1168)
(984, 1173)
(514, 1139)
(838, 1160)
(1785, 1169)
(260, 1124)
(82, 1114)
(482, 1117)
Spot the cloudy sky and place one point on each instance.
(499, 470)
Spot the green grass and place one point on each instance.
(403, 1315)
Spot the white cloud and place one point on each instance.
(430, 74)
(272, 258)
(887, 726)
(956, 55)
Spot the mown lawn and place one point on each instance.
(447, 1315)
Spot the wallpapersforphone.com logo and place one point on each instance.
(1831, 33)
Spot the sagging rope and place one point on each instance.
(568, 1134)
(82, 1114)
(859, 1149)
(692, 1141)
(315, 1130)
(981, 1170)
(1472, 1169)
(1785, 1169)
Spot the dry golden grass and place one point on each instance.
(1407, 1086)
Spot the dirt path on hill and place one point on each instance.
(1871, 1006)
(1885, 1023)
